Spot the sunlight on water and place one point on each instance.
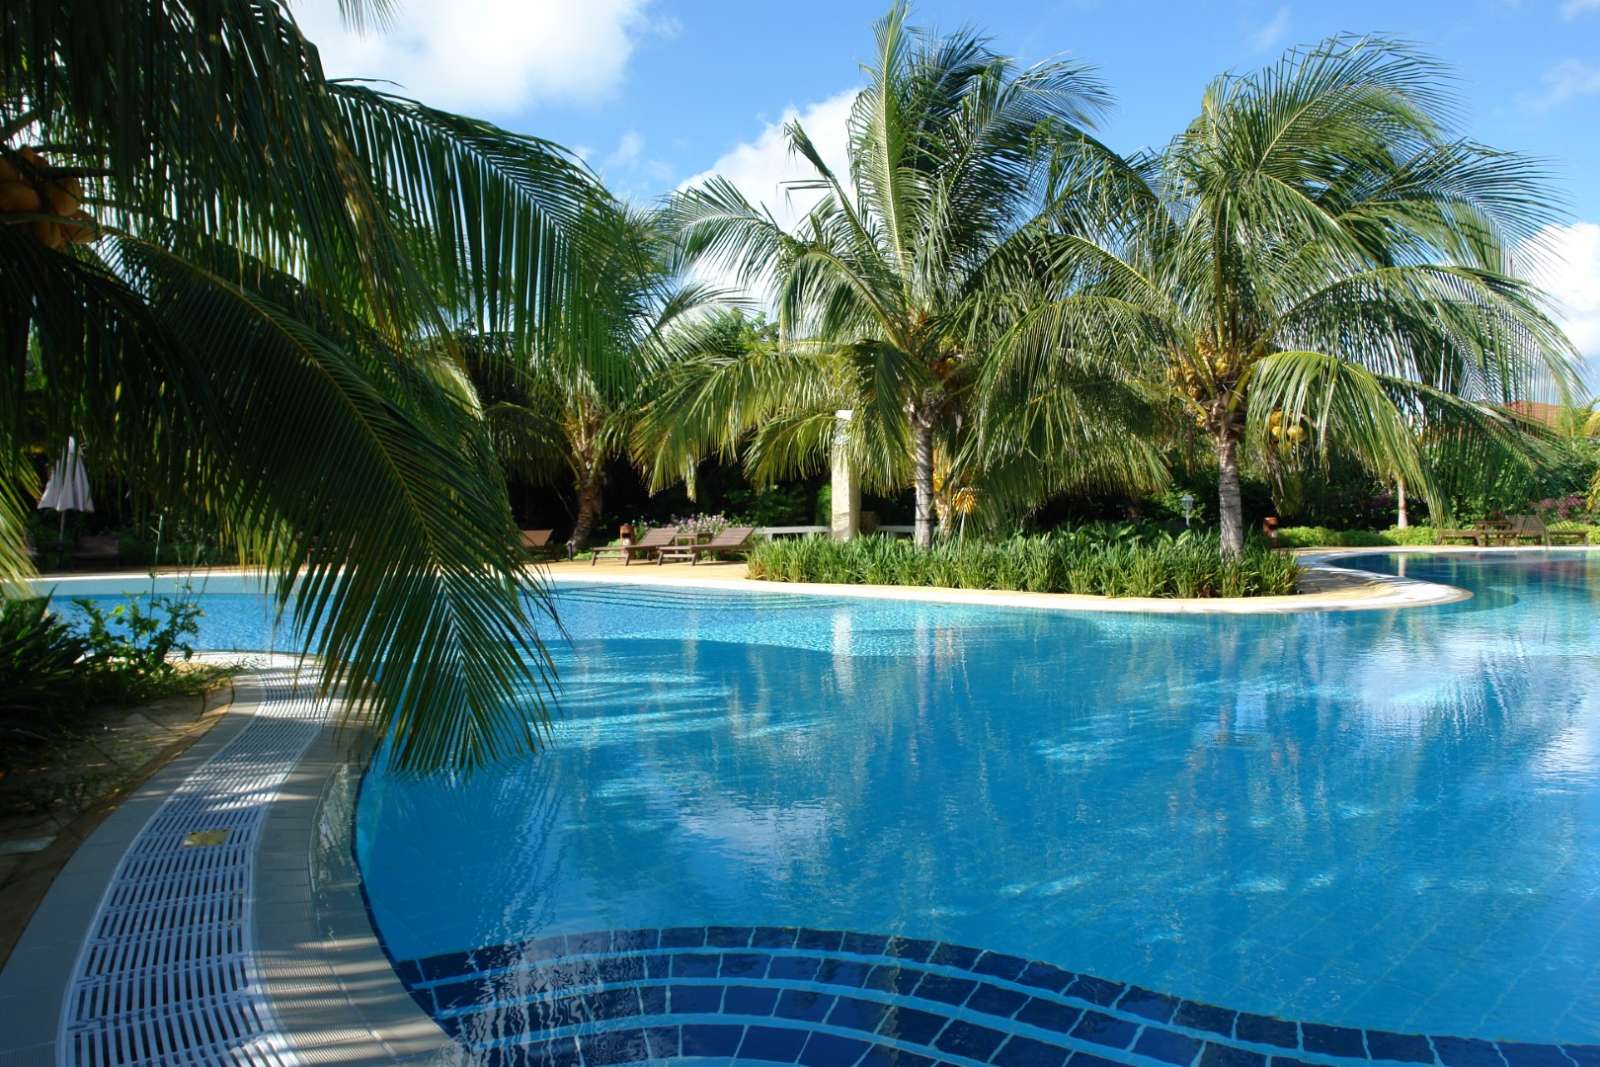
(1386, 819)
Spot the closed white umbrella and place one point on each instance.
(67, 488)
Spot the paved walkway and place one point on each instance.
(165, 888)
(48, 811)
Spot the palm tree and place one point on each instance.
(217, 256)
(548, 415)
(1317, 254)
(892, 285)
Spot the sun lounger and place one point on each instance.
(653, 541)
(97, 548)
(1461, 536)
(1530, 529)
(732, 539)
(537, 543)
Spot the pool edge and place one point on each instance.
(322, 966)
(1365, 591)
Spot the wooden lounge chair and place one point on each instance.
(97, 548)
(1498, 531)
(1530, 529)
(1460, 536)
(653, 541)
(537, 543)
(732, 539)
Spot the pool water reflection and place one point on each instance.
(1379, 819)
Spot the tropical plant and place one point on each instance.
(216, 256)
(138, 644)
(891, 287)
(1317, 258)
(548, 413)
(1098, 560)
(40, 657)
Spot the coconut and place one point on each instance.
(81, 229)
(47, 233)
(18, 197)
(63, 201)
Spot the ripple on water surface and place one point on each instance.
(1382, 819)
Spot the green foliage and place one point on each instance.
(1318, 261)
(55, 672)
(238, 338)
(39, 657)
(891, 290)
(1324, 537)
(1571, 468)
(1118, 560)
(774, 505)
(134, 648)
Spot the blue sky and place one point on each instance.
(657, 92)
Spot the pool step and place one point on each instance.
(791, 995)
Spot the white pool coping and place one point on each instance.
(316, 985)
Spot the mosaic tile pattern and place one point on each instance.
(740, 994)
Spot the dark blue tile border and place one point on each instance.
(826, 997)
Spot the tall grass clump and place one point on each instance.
(1117, 561)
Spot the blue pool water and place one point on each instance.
(1379, 819)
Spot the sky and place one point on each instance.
(656, 94)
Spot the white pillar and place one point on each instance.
(846, 492)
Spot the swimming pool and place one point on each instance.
(960, 832)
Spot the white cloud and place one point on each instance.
(1274, 33)
(629, 147)
(1573, 8)
(487, 56)
(1569, 258)
(760, 168)
(1567, 80)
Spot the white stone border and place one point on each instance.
(1367, 591)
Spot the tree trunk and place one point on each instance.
(922, 454)
(1230, 509)
(590, 498)
(1402, 518)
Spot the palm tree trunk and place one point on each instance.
(1230, 508)
(590, 498)
(922, 455)
(1402, 517)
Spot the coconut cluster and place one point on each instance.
(32, 187)
(1294, 433)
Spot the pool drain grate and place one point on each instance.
(165, 976)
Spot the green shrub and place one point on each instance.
(1102, 560)
(134, 646)
(1323, 537)
(39, 657)
(55, 672)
